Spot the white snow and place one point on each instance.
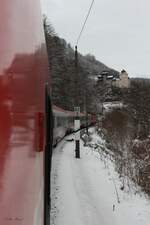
(108, 106)
(86, 191)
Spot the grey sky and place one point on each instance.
(117, 32)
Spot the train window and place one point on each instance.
(55, 121)
(58, 122)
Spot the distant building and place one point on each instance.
(106, 77)
(121, 81)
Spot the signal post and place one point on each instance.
(77, 134)
(77, 110)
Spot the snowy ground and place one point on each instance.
(87, 192)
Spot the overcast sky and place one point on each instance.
(117, 32)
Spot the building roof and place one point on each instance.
(123, 71)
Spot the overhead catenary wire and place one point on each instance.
(83, 26)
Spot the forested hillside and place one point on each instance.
(128, 134)
(62, 70)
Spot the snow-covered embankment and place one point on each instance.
(87, 192)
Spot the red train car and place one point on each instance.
(64, 122)
(23, 73)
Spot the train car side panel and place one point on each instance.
(23, 71)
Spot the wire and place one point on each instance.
(85, 22)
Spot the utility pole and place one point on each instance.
(85, 111)
(77, 109)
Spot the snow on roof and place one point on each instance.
(104, 72)
(110, 77)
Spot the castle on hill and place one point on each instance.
(120, 81)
